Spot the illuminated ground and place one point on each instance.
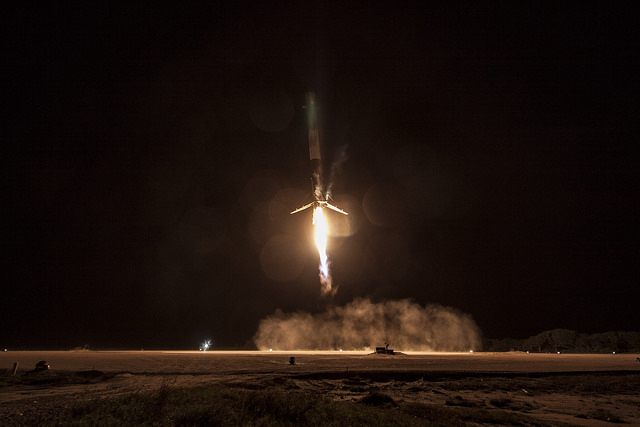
(434, 378)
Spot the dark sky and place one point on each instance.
(488, 156)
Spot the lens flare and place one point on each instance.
(322, 230)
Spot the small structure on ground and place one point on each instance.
(385, 349)
(42, 366)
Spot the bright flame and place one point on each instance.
(322, 230)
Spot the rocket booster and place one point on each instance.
(320, 199)
(312, 123)
(314, 144)
(315, 157)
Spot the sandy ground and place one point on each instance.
(547, 386)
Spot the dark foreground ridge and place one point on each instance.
(568, 341)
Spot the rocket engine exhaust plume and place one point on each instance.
(362, 324)
(321, 233)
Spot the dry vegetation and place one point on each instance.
(323, 398)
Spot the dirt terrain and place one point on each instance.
(578, 389)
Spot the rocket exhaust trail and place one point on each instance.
(321, 242)
(320, 199)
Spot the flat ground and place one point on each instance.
(578, 389)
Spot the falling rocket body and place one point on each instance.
(314, 136)
(319, 196)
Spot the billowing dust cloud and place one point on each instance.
(363, 325)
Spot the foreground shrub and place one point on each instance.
(223, 406)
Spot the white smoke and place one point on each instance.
(317, 189)
(341, 156)
(362, 325)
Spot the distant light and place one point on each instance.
(527, 351)
(340, 350)
(470, 351)
(205, 345)
(558, 352)
(270, 349)
(613, 352)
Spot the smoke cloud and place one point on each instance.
(341, 156)
(363, 325)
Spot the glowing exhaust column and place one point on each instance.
(321, 242)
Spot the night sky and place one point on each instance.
(488, 156)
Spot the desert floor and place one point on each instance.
(580, 389)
